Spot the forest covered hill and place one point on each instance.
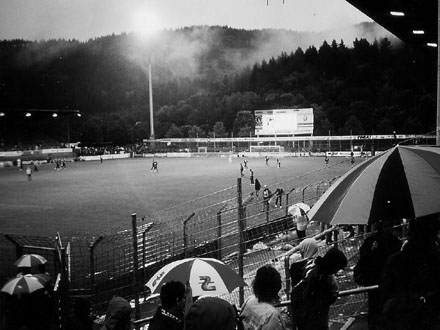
(210, 79)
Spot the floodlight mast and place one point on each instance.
(150, 87)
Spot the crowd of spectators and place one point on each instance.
(407, 275)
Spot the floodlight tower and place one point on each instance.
(150, 88)
(146, 22)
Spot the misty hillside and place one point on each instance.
(210, 79)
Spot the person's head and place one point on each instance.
(211, 313)
(383, 226)
(333, 261)
(424, 230)
(308, 248)
(118, 315)
(172, 294)
(267, 284)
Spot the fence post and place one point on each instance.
(144, 257)
(303, 193)
(287, 200)
(240, 237)
(18, 248)
(185, 236)
(219, 235)
(92, 265)
(137, 309)
(219, 231)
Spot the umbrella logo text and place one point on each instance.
(206, 280)
(158, 278)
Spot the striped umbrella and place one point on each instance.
(23, 284)
(206, 276)
(403, 182)
(30, 260)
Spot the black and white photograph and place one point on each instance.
(219, 165)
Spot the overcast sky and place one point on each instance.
(84, 19)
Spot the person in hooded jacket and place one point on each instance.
(170, 315)
(118, 315)
(313, 295)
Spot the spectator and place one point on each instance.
(308, 248)
(118, 315)
(332, 236)
(411, 279)
(211, 313)
(373, 254)
(170, 315)
(267, 194)
(313, 295)
(80, 318)
(257, 187)
(302, 223)
(279, 192)
(259, 311)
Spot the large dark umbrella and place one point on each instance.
(403, 182)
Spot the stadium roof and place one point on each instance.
(406, 19)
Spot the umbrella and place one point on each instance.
(403, 182)
(23, 284)
(30, 260)
(295, 209)
(206, 276)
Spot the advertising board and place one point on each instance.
(284, 122)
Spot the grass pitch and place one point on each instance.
(90, 197)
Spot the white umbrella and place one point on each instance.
(295, 209)
(206, 276)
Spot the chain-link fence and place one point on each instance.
(233, 225)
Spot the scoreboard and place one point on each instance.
(284, 122)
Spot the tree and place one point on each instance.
(196, 132)
(244, 123)
(352, 126)
(385, 126)
(219, 130)
(174, 132)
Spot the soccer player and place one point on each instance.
(267, 160)
(29, 173)
(154, 166)
(251, 176)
